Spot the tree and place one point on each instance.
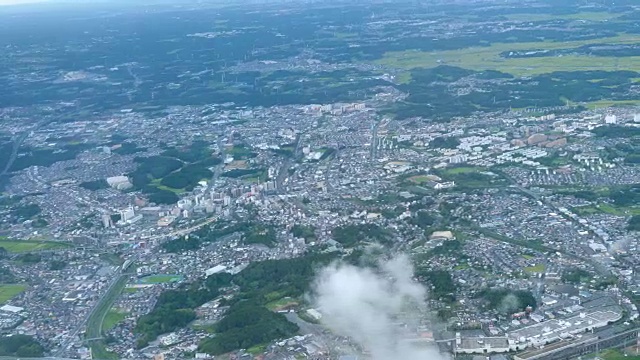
(507, 301)
(302, 231)
(444, 142)
(423, 219)
(20, 345)
(57, 265)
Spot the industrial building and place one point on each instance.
(485, 345)
(558, 329)
(540, 334)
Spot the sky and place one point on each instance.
(18, 2)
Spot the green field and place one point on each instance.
(539, 268)
(17, 246)
(257, 349)
(95, 323)
(99, 351)
(611, 103)
(582, 16)
(461, 170)
(281, 303)
(156, 183)
(419, 179)
(111, 319)
(488, 58)
(8, 291)
(160, 279)
(618, 355)
(607, 209)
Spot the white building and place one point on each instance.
(127, 214)
(486, 345)
(214, 270)
(610, 119)
(119, 182)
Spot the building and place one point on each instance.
(441, 235)
(315, 314)
(106, 221)
(12, 309)
(214, 270)
(485, 345)
(127, 214)
(610, 119)
(166, 221)
(119, 182)
(550, 331)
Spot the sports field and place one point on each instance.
(8, 291)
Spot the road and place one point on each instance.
(283, 173)
(374, 141)
(14, 152)
(598, 267)
(181, 232)
(106, 299)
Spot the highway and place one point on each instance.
(14, 153)
(374, 141)
(101, 307)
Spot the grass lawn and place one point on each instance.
(111, 319)
(539, 268)
(617, 355)
(281, 303)
(129, 290)
(160, 279)
(488, 57)
(607, 209)
(404, 77)
(609, 103)
(257, 349)
(462, 170)
(419, 179)
(156, 183)
(8, 291)
(99, 351)
(209, 328)
(16, 246)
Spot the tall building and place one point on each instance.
(127, 214)
(106, 221)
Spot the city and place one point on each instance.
(199, 215)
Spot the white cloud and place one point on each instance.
(370, 306)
